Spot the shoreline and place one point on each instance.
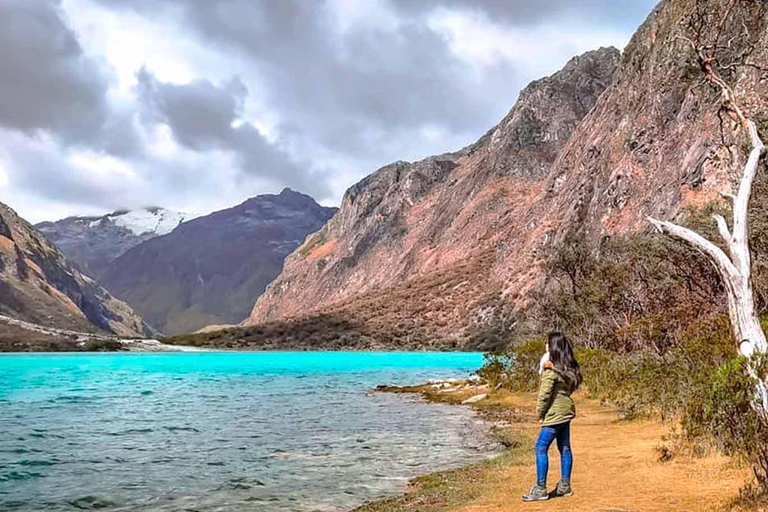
(169, 347)
(507, 427)
(644, 458)
(33, 337)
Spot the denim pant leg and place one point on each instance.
(546, 436)
(564, 446)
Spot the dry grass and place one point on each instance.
(617, 467)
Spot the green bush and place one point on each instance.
(701, 381)
(726, 413)
(648, 317)
(517, 368)
(632, 293)
(495, 370)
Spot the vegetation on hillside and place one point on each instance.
(648, 317)
(419, 314)
(17, 339)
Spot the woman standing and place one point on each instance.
(560, 378)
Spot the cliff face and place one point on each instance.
(93, 243)
(208, 270)
(443, 247)
(39, 285)
(656, 141)
(409, 219)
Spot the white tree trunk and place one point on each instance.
(735, 268)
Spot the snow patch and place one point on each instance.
(156, 221)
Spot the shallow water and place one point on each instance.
(223, 431)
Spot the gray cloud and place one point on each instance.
(202, 116)
(347, 91)
(370, 90)
(38, 168)
(49, 84)
(621, 14)
(356, 95)
(200, 113)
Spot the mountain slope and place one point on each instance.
(95, 242)
(39, 285)
(208, 270)
(448, 248)
(409, 221)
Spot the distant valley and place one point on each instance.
(182, 276)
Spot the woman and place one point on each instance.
(560, 378)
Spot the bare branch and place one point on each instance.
(741, 206)
(724, 21)
(722, 227)
(687, 40)
(722, 127)
(715, 254)
(736, 270)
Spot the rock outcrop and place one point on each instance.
(93, 243)
(441, 249)
(436, 217)
(39, 285)
(208, 270)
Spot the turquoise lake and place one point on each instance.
(216, 431)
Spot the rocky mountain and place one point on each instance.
(95, 242)
(39, 285)
(430, 254)
(425, 219)
(208, 270)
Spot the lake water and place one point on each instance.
(223, 431)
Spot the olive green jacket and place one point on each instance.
(555, 404)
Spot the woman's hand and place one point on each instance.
(549, 366)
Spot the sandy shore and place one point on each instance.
(636, 465)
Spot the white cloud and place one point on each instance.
(327, 92)
(129, 41)
(4, 178)
(101, 165)
(537, 50)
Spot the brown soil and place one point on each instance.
(617, 467)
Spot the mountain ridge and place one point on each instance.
(411, 219)
(209, 269)
(94, 242)
(652, 143)
(39, 285)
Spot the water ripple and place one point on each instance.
(209, 432)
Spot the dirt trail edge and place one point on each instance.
(617, 466)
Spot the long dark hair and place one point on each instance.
(562, 358)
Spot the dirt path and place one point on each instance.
(617, 468)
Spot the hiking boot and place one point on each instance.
(537, 493)
(563, 489)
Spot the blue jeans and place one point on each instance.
(562, 433)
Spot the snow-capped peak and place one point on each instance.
(158, 221)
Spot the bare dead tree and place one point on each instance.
(733, 264)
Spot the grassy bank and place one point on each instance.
(636, 465)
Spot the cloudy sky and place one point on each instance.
(196, 105)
